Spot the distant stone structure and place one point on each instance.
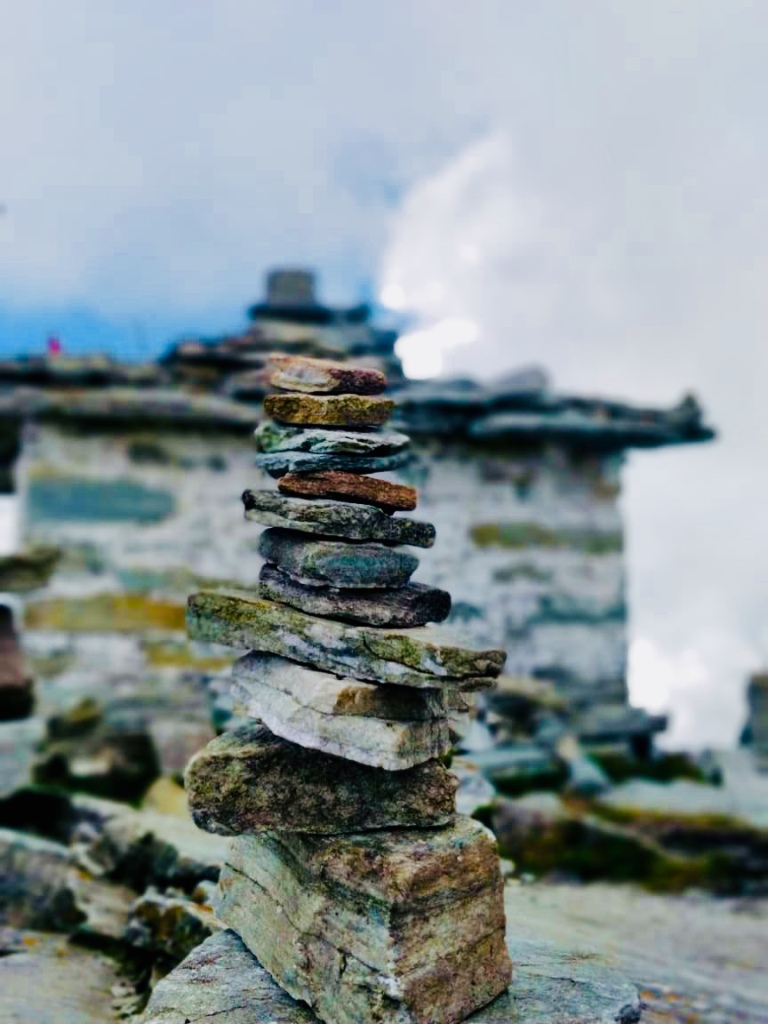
(129, 472)
(756, 731)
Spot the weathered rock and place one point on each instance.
(28, 570)
(250, 780)
(329, 411)
(335, 519)
(37, 883)
(277, 437)
(392, 926)
(222, 980)
(424, 657)
(279, 463)
(367, 490)
(324, 376)
(335, 562)
(169, 926)
(390, 727)
(412, 605)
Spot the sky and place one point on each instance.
(580, 186)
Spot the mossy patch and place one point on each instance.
(105, 613)
(529, 534)
(660, 768)
(170, 655)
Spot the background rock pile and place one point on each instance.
(350, 876)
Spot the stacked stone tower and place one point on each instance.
(350, 877)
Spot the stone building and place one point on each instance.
(132, 474)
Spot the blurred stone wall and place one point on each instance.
(530, 544)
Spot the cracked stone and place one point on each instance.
(367, 490)
(391, 727)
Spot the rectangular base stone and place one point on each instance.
(393, 927)
(250, 781)
(391, 727)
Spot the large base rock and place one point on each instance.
(397, 926)
(249, 780)
(222, 981)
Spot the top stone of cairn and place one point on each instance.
(323, 376)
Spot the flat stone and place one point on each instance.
(412, 605)
(249, 781)
(169, 926)
(391, 727)
(324, 376)
(335, 562)
(392, 926)
(426, 656)
(367, 490)
(221, 980)
(335, 519)
(279, 463)
(329, 411)
(277, 437)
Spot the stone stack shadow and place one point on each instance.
(350, 876)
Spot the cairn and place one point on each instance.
(350, 876)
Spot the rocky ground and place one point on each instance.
(695, 958)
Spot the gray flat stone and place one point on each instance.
(424, 657)
(249, 780)
(341, 564)
(412, 605)
(222, 981)
(279, 463)
(279, 437)
(335, 519)
(391, 727)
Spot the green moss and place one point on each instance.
(660, 768)
(169, 655)
(530, 534)
(105, 613)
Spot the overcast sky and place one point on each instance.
(581, 185)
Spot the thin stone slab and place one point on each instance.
(336, 562)
(335, 519)
(330, 410)
(222, 981)
(279, 463)
(391, 927)
(424, 657)
(412, 605)
(391, 727)
(367, 490)
(324, 376)
(277, 437)
(249, 781)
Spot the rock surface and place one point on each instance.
(330, 411)
(390, 727)
(423, 657)
(336, 563)
(277, 437)
(19, 743)
(250, 780)
(324, 376)
(411, 605)
(279, 463)
(367, 490)
(393, 926)
(222, 980)
(330, 518)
